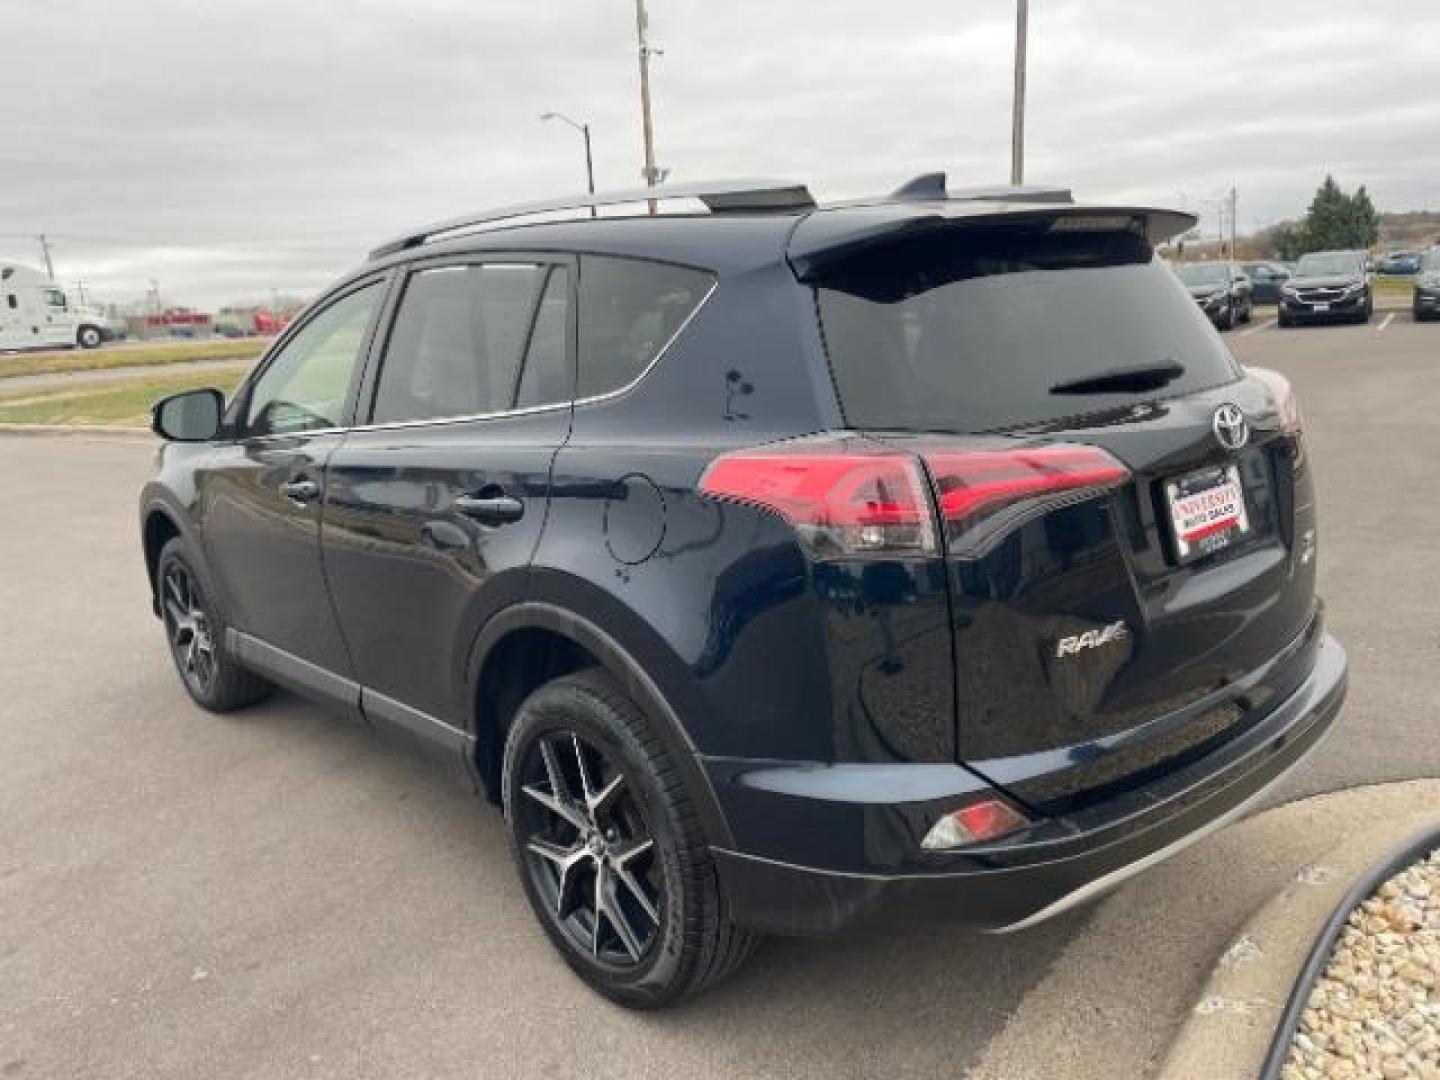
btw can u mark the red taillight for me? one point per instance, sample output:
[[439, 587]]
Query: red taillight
[[976, 486], [848, 496], [844, 497], [1286, 405]]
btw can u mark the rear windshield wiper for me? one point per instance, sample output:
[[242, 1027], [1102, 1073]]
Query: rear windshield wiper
[[1122, 380]]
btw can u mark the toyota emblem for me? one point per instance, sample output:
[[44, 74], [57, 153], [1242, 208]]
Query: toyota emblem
[[1232, 430]]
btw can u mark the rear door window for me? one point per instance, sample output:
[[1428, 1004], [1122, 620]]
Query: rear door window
[[629, 311], [460, 339], [971, 329]]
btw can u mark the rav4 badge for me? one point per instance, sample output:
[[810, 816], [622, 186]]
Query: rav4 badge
[[1091, 639]]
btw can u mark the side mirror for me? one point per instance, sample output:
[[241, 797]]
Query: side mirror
[[191, 416]]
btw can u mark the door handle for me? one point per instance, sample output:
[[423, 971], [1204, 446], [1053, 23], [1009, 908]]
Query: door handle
[[490, 509], [300, 492]]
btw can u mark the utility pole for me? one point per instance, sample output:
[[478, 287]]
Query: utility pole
[[80, 291], [1234, 219], [642, 22], [1017, 123], [45, 251]]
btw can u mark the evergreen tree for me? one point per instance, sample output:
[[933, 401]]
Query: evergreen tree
[[1336, 220]]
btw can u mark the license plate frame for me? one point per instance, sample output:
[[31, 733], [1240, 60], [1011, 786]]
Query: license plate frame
[[1207, 511], [1322, 306]]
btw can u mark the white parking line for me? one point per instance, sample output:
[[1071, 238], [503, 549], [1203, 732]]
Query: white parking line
[[1385, 322], [1256, 329]]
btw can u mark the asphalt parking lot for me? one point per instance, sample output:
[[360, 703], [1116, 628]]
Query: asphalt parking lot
[[277, 894]]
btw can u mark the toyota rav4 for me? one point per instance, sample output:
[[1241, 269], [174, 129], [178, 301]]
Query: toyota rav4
[[770, 566]]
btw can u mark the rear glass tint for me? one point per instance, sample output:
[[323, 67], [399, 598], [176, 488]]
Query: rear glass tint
[[968, 329], [629, 311]]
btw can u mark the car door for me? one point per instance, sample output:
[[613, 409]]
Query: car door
[[435, 504], [261, 490]]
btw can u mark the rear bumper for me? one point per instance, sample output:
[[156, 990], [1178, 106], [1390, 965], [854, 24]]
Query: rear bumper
[[1055, 865]]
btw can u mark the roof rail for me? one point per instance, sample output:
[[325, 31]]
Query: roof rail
[[928, 187], [718, 196]]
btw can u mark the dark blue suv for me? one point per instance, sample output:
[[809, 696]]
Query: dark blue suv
[[771, 565]]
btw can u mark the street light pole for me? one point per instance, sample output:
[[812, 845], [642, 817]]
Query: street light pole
[[642, 22], [1017, 123], [584, 129]]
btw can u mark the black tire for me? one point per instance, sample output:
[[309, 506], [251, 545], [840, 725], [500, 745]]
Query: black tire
[[1283, 321], [1249, 311], [89, 337], [1227, 322], [195, 631], [644, 840]]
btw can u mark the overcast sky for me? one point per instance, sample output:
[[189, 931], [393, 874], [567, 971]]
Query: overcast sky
[[228, 148]]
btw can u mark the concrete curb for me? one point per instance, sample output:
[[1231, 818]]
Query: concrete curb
[[107, 430], [1229, 1031]]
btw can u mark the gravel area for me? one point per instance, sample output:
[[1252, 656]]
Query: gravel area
[[1376, 1010]]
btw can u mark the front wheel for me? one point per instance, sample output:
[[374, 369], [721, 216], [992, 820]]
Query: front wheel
[[609, 848], [89, 337], [195, 630]]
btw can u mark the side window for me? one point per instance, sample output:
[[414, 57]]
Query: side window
[[55, 298], [548, 377], [14, 303], [629, 311], [457, 343], [304, 386]]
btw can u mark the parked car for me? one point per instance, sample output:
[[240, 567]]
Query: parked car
[[1266, 280], [1426, 301], [771, 567], [1221, 289], [1399, 262], [1328, 286]]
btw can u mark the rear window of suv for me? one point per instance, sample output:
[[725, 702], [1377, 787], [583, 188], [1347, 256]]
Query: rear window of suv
[[968, 329]]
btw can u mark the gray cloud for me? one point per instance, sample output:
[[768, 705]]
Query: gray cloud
[[230, 148]]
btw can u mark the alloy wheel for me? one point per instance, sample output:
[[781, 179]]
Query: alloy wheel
[[191, 639], [587, 849]]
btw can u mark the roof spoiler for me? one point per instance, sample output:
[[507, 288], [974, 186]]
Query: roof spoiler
[[823, 240]]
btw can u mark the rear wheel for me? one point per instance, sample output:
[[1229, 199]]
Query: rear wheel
[[609, 849], [195, 630]]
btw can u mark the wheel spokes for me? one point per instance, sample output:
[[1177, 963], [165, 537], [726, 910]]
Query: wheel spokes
[[560, 809], [591, 878], [567, 862], [622, 858], [613, 913]]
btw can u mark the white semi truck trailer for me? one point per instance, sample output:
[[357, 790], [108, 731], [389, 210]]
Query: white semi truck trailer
[[36, 314]]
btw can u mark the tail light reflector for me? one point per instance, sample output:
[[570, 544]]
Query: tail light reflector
[[980, 821]]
